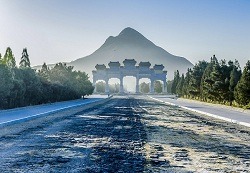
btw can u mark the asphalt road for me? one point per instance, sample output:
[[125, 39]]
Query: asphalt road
[[236, 114], [127, 134], [21, 114]]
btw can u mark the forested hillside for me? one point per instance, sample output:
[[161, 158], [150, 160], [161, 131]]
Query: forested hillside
[[214, 81], [22, 86]]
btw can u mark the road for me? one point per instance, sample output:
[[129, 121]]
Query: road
[[23, 113], [228, 113], [127, 134]]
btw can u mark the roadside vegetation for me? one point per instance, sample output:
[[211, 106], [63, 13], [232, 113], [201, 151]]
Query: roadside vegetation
[[215, 82], [23, 86]]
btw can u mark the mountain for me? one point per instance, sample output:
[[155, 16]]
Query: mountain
[[130, 44]]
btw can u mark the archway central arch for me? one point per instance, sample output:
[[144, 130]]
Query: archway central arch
[[114, 85], [129, 83], [129, 68]]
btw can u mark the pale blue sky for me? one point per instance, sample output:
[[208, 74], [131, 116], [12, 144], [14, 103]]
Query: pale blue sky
[[58, 30]]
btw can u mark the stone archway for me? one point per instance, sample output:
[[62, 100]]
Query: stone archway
[[143, 70]]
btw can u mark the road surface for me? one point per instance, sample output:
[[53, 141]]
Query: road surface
[[127, 134], [228, 113], [24, 113]]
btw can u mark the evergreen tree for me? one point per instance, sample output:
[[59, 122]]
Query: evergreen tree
[[175, 82], [242, 89], [235, 75], [44, 72], [6, 85], [9, 58], [180, 86], [144, 87], [100, 87], [206, 81], [216, 91], [25, 62], [114, 88], [195, 79], [169, 86], [158, 87], [186, 83]]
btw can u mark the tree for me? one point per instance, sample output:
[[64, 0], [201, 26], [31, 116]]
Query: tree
[[242, 89], [180, 86], [169, 86], [206, 81], [25, 62], [44, 72], [6, 85], [195, 79], [175, 82], [32, 84], [185, 88], [235, 75], [144, 87], [100, 87], [1, 61], [158, 87], [114, 88], [9, 58]]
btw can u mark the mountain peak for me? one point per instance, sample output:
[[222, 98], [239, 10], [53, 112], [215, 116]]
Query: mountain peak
[[130, 33]]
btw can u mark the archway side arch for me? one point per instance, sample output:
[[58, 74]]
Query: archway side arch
[[114, 85], [100, 85], [144, 85], [159, 86]]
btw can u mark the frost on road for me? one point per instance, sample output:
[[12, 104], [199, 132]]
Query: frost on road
[[127, 134]]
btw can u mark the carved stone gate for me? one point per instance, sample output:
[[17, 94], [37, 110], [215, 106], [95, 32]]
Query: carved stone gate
[[115, 70]]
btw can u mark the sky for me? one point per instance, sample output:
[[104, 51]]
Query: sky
[[62, 31]]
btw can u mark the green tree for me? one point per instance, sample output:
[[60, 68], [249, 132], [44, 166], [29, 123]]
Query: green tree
[[206, 81], [18, 91], [82, 85], [25, 61], [9, 58], [180, 86], [100, 87], [186, 87], [195, 79], [169, 86], [175, 82], [235, 75], [242, 89], [44, 72], [6, 85], [158, 86], [144, 87], [114, 88], [1, 60], [33, 86]]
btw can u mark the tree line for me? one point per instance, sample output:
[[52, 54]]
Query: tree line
[[23, 86], [215, 81]]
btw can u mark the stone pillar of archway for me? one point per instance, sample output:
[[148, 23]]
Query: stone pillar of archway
[[164, 89], [137, 85], [107, 86], [121, 85], [152, 89], [94, 85]]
